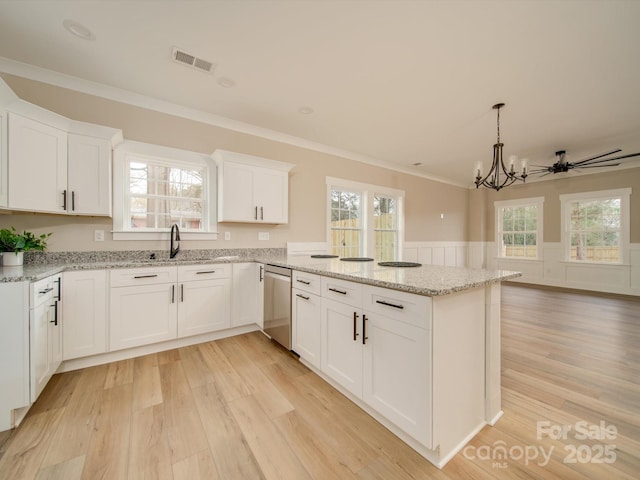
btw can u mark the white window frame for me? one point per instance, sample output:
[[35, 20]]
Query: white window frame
[[368, 191], [167, 155], [625, 221], [538, 202]]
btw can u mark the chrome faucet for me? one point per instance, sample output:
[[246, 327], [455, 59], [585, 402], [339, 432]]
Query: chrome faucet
[[175, 240]]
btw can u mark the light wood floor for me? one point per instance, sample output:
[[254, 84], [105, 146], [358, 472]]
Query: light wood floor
[[243, 408]]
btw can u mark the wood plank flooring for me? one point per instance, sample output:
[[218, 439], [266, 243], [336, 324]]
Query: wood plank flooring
[[244, 408]]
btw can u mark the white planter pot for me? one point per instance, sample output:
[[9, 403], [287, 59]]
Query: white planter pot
[[12, 259]]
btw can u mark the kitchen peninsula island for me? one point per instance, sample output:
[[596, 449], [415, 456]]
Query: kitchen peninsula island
[[416, 348]]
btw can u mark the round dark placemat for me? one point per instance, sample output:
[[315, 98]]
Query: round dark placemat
[[324, 256], [357, 259]]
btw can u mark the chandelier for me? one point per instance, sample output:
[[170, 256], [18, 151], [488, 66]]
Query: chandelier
[[493, 179]]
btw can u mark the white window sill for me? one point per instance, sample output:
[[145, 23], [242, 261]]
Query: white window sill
[[119, 235]]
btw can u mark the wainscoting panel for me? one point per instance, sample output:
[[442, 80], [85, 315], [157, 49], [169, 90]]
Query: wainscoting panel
[[450, 254]]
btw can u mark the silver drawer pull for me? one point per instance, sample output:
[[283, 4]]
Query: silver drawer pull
[[207, 271], [338, 291], [145, 276], [302, 296], [303, 282], [382, 302], [47, 290]]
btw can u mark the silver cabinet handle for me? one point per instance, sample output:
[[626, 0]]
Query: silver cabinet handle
[[302, 296], [207, 271], [341, 292], [145, 276], [46, 290], [303, 282]]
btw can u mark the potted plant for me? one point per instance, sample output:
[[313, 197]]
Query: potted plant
[[14, 244]]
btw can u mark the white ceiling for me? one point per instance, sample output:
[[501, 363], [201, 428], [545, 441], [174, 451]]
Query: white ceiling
[[394, 81]]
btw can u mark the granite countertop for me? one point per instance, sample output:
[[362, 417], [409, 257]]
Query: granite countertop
[[429, 280]]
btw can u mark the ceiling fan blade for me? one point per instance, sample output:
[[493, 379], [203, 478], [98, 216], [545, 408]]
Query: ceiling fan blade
[[597, 156], [599, 166], [621, 157]]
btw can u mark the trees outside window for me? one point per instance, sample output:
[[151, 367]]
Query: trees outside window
[[519, 227], [596, 226]]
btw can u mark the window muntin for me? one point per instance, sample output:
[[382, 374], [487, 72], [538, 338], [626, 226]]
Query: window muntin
[[161, 194], [519, 228], [156, 186], [346, 223], [364, 220], [594, 230], [385, 227]]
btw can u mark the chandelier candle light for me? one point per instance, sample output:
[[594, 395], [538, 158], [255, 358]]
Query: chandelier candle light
[[492, 180]]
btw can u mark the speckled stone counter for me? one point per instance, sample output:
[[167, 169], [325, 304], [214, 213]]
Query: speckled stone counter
[[429, 280]]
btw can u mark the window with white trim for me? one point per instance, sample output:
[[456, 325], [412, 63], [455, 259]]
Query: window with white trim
[[364, 220], [155, 187], [596, 226], [519, 228]]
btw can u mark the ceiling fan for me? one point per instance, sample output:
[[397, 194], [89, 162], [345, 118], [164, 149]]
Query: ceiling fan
[[562, 165]]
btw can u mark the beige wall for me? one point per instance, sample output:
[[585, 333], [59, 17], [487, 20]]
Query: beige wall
[[551, 191], [425, 199]]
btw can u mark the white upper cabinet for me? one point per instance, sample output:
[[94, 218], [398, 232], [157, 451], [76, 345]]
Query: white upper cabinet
[[37, 166], [89, 175], [252, 189], [49, 163]]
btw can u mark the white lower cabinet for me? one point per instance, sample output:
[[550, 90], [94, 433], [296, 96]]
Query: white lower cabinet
[[384, 359], [142, 314], [204, 301], [247, 294], [84, 300], [397, 376], [306, 316], [45, 323], [150, 305]]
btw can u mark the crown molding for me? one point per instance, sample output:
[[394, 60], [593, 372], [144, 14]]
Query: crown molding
[[57, 79]]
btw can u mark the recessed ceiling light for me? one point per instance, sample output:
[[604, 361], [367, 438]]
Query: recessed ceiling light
[[305, 110], [417, 164], [225, 82], [78, 30]]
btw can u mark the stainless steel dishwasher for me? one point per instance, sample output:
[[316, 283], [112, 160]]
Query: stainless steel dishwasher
[[277, 304]]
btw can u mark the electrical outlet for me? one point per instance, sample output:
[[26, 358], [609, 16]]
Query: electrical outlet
[[98, 235], [227, 235], [263, 235]]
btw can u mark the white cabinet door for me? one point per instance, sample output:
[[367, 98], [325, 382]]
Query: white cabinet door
[[142, 314], [306, 314], [236, 203], [204, 306], [341, 337], [271, 195], [37, 166], [84, 309], [246, 295], [89, 175], [252, 194], [397, 374], [40, 372]]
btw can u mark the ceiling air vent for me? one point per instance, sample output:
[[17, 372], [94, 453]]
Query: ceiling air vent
[[192, 61]]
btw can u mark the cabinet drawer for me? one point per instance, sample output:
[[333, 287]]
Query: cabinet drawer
[[126, 277], [307, 282], [203, 272], [406, 307], [342, 291], [42, 291]]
